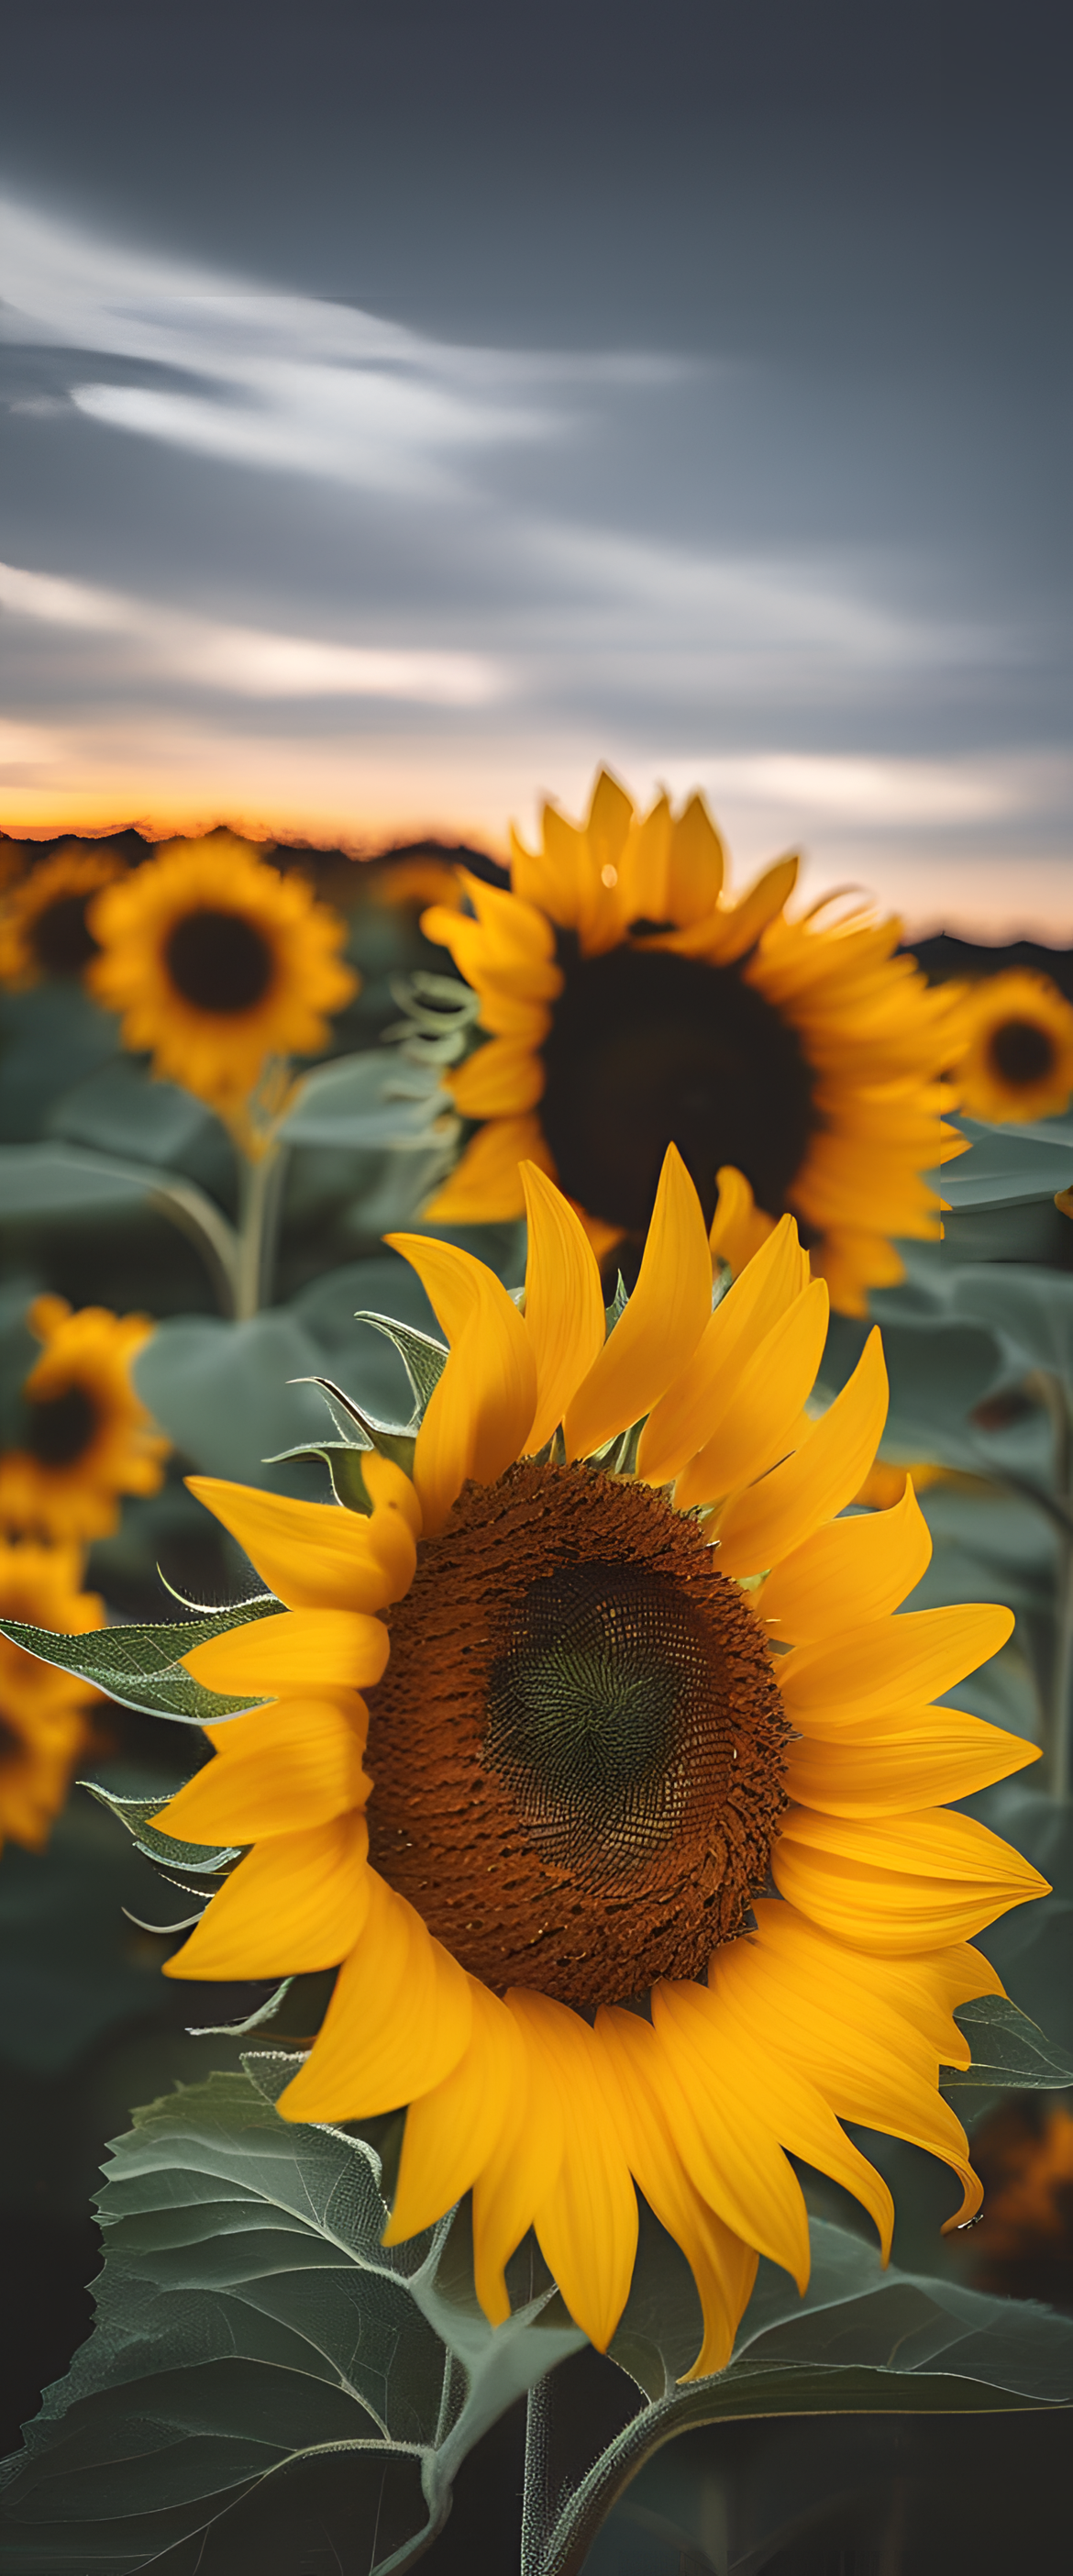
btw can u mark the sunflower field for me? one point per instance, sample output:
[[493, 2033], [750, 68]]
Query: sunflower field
[[536, 1710]]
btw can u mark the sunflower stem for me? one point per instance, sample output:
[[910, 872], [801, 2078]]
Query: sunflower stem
[[260, 1191], [1058, 1739]]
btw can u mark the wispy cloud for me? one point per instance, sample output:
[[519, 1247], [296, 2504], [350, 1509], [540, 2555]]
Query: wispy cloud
[[290, 382], [244, 661], [376, 581]]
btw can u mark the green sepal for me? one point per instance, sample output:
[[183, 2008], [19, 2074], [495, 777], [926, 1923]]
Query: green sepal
[[205, 1860], [614, 1313], [392, 1442], [140, 1666], [342, 1458], [265, 2012], [423, 1359]]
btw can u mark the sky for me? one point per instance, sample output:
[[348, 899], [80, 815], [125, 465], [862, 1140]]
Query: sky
[[407, 407]]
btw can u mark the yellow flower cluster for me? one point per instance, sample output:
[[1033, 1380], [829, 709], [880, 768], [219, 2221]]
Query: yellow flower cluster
[[85, 1440]]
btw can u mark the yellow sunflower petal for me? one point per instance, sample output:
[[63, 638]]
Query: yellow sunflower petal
[[296, 1903], [761, 1407], [640, 893], [586, 2222], [867, 1564], [766, 1521], [662, 1323], [764, 1292], [900, 1883], [723, 2268], [556, 880], [501, 1080], [516, 2179], [921, 1991], [730, 2153], [886, 1664], [311, 1555], [739, 1227], [390, 1490], [486, 1185], [478, 1417], [277, 1771], [564, 1305], [779, 2095], [933, 1753], [865, 2060], [452, 2131], [726, 935], [399, 2019], [516, 934], [695, 865], [294, 1652]]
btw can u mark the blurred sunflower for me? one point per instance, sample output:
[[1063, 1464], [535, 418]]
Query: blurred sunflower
[[43, 925], [43, 1712], [218, 963], [630, 1006], [87, 1438], [1024, 2249], [1014, 1056], [593, 1733]]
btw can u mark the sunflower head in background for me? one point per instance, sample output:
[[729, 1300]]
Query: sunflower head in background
[[594, 1757], [1014, 1048], [44, 928], [1024, 2248], [219, 965], [44, 1723], [629, 1006], [86, 1437]]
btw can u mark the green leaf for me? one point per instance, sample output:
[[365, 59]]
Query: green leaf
[[423, 1359], [1005, 1165], [376, 1099], [861, 2341], [121, 1110], [262, 2367], [1009, 2053], [228, 1394], [140, 1667], [39, 1182]]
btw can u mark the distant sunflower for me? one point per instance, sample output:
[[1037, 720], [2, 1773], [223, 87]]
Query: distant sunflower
[[218, 964], [629, 1006], [43, 925], [43, 1712], [550, 1646], [1024, 2248], [86, 1437], [1014, 1057]]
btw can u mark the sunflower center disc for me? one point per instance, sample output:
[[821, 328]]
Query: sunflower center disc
[[647, 1050], [219, 961], [61, 1427], [1022, 1052], [61, 938], [578, 1743]]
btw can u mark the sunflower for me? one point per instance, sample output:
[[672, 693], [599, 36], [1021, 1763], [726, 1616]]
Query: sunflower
[[1025, 2246], [43, 1724], [87, 1438], [218, 963], [614, 1667], [629, 1006], [43, 924], [1014, 1053]]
